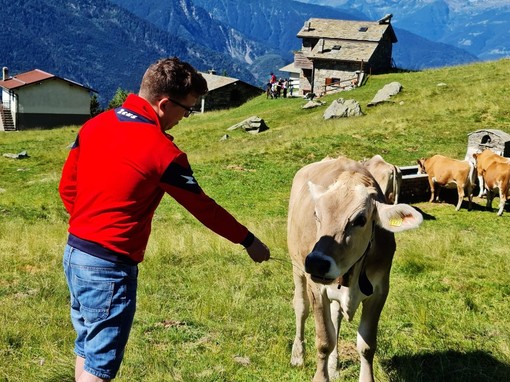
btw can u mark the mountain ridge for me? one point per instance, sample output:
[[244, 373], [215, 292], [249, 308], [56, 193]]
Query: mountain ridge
[[105, 46]]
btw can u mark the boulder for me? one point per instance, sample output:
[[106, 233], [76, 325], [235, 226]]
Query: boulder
[[384, 94], [312, 104], [21, 155], [341, 108], [252, 125]]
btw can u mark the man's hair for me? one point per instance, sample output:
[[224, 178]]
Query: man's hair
[[171, 77]]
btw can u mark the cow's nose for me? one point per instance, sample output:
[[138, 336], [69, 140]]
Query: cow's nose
[[318, 264]]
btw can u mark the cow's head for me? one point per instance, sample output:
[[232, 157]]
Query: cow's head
[[346, 214], [421, 166]]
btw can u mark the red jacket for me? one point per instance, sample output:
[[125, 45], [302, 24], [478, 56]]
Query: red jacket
[[118, 169]]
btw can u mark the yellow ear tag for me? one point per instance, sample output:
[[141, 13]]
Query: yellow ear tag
[[396, 222]]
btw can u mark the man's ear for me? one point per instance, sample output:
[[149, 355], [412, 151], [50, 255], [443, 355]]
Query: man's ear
[[162, 104]]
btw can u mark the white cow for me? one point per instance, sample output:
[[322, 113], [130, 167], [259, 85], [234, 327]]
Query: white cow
[[341, 242]]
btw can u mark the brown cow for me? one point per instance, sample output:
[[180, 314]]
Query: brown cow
[[446, 172], [341, 242], [387, 175], [483, 160], [496, 176]]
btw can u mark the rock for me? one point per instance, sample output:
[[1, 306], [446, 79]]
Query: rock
[[341, 108], [23, 154], [386, 93], [252, 125], [312, 104]]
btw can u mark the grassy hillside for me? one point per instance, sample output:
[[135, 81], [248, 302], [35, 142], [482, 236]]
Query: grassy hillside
[[207, 313]]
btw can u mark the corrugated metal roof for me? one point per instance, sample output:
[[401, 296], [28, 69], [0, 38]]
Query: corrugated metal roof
[[33, 77], [346, 30], [26, 78], [341, 50]]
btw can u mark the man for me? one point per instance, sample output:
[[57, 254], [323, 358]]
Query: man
[[119, 168]]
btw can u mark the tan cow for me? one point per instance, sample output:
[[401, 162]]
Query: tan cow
[[341, 242], [451, 173], [387, 175], [496, 176], [483, 160]]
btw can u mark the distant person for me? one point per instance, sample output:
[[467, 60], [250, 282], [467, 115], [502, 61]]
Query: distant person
[[119, 168], [272, 78], [269, 93], [291, 88], [285, 86]]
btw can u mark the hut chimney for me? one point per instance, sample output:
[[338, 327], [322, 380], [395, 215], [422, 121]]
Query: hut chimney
[[5, 73], [308, 26], [386, 19]]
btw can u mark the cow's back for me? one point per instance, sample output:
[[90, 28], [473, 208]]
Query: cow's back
[[486, 158], [446, 170]]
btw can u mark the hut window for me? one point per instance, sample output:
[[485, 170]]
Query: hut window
[[363, 29], [486, 139], [336, 47]]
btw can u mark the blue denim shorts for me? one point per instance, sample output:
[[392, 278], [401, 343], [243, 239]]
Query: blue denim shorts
[[103, 304]]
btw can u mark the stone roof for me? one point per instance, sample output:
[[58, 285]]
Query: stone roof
[[346, 30], [215, 82], [291, 68], [341, 50]]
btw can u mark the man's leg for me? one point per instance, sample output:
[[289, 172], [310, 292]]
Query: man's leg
[[78, 368], [103, 303], [81, 375]]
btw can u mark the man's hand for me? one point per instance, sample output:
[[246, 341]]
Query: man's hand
[[258, 251]]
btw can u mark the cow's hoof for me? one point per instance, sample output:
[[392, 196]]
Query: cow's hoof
[[334, 375], [298, 351]]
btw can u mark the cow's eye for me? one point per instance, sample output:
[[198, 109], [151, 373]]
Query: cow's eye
[[359, 221]]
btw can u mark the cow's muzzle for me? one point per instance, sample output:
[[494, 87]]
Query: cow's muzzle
[[321, 267]]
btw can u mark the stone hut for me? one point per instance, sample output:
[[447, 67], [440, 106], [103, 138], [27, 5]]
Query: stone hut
[[495, 140], [226, 92]]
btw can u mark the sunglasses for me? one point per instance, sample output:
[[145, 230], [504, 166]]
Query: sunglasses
[[189, 110]]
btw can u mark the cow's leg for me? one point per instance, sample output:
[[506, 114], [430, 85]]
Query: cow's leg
[[301, 310], [481, 184], [460, 191], [325, 335], [367, 333], [336, 319], [489, 196], [432, 191], [470, 195], [502, 197]]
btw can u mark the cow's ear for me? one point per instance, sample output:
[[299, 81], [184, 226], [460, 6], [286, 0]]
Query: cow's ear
[[398, 217], [316, 190]]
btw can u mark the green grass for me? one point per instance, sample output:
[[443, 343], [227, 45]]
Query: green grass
[[206, 312]]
